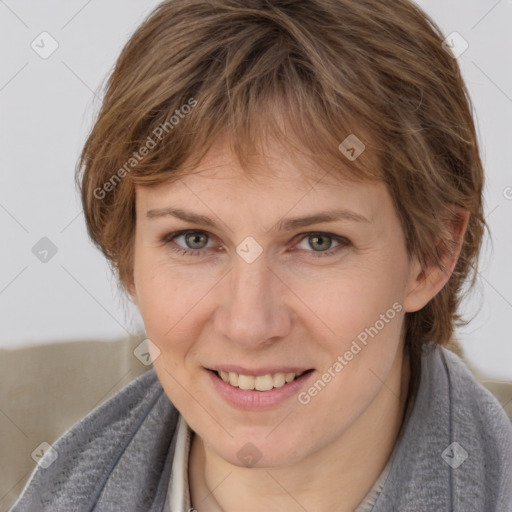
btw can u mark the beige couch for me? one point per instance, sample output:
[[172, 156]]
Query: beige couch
[[46, 389]]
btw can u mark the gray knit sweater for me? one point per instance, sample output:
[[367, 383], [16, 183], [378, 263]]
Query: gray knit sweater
[[455, 453]]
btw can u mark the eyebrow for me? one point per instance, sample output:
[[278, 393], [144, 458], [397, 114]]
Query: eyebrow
[[283, 225]]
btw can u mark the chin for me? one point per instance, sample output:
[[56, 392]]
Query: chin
[[259, 451]]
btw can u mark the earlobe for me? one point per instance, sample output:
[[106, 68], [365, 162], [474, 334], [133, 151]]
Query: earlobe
[[423, 286], [425, 283]]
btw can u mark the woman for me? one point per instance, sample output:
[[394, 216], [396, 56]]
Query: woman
[[291, 193]]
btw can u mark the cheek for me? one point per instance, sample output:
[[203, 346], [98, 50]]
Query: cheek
[[174, 306], [343, 303], [364, 314], [162, 292]]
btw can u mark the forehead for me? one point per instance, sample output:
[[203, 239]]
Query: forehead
[[265, 168]]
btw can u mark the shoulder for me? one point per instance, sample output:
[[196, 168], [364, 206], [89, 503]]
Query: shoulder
[[118, 415], [472, 403], [132, 429], [456, 449], [481, 434]]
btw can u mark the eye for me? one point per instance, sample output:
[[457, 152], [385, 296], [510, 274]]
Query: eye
[[322, 243], [192, 242], [196, 243]]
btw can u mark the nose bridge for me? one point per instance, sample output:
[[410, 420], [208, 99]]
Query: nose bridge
[[250, 282], [253, 311]]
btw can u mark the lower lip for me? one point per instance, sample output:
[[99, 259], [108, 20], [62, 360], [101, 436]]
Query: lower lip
[[252, 399]]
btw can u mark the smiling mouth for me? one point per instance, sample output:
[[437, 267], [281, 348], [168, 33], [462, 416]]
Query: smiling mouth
[[260, 382]]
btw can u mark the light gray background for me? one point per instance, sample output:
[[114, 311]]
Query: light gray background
[[46, 109]]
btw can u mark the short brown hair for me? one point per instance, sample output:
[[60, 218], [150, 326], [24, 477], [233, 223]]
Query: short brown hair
[[330, 68]]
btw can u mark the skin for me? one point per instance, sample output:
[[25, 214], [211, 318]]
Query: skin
[[286, 307]]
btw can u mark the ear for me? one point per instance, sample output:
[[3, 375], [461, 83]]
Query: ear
[[425, 283]]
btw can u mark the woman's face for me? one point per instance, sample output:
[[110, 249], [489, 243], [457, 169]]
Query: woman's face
[[249, 277]]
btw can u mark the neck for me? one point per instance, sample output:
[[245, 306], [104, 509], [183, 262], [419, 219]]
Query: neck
[[342, 473]]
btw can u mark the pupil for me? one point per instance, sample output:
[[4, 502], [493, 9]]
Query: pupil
[[315, 240], [194, 238]]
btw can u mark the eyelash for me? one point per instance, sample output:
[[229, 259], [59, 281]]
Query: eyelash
[[169, 240]]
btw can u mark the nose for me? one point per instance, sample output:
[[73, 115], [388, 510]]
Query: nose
[[252, 311]]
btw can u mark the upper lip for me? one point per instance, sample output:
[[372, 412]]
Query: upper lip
[[258, 371]]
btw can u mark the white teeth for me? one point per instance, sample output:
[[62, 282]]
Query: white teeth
[[279, 380], [246, 381], [264, 383], [233, 379], [259, 383]]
